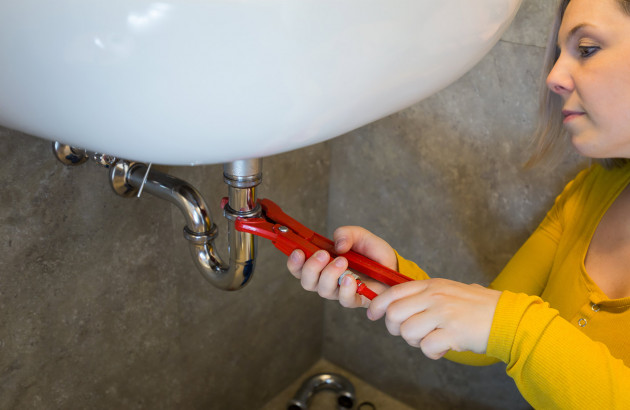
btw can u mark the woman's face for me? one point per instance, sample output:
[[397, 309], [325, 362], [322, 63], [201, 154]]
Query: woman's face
[[592, 75]]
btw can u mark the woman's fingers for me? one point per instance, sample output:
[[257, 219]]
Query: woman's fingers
[[348, 293], [312, 268], [423, 330], [380, 305], [295, 262], [438, 315], [436, 344], [327, 286], [435, 315], [366, 243], [403, 316], [321, 274]]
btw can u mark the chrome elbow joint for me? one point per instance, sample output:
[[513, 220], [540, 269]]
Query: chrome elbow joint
[[242, 178], [240, 268], [324, 381]]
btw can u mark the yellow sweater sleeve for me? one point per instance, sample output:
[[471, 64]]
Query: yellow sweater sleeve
[[526, 272], [541, 348], [555, 364], [410, 269]]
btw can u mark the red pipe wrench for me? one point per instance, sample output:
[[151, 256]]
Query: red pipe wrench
[[287, 235]]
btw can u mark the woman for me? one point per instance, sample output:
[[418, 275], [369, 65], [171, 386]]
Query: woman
[[559, 313]]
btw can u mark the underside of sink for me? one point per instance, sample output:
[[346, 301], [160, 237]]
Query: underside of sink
[[192, 82]]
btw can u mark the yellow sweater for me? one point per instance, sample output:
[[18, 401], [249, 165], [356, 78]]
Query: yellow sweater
[[567, 346]]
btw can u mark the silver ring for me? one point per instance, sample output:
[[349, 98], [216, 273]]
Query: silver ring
[[343, 275]]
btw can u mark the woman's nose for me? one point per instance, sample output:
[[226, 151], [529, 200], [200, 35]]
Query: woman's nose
[[559, 79]]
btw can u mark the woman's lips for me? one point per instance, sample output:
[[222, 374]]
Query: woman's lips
[[571, 115]]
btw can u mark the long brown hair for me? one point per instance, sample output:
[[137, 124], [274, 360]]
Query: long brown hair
[[550, 138]]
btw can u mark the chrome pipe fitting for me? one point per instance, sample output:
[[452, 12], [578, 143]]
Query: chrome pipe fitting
[[68, 155], [324, 381], [243, 173], [200, 230], [178, 192], [242, 177]]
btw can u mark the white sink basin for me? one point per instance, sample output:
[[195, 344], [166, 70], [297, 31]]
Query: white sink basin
[[208, 81]]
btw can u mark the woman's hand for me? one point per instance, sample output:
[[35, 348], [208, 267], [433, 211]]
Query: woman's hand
[[320, 274], [438, 315]]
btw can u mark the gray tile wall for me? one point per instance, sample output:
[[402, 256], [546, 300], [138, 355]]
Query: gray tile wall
[[442, 181], [102, 307]]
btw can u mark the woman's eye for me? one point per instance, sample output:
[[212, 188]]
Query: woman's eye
[[587, 51]]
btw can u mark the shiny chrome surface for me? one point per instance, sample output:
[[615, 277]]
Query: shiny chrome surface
[[68, 155], [213, 81], [324, 381], [128, 179], [200, 230], [118, 179], [104, 160], [243, 173]]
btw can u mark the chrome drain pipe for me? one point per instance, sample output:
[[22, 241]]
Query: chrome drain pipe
[[129, 179], [242, 178], [324, 381]]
